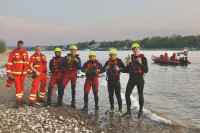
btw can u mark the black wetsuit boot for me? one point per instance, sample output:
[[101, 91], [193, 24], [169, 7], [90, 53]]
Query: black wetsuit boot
[[60, 96], [96, 99], [73, 89]]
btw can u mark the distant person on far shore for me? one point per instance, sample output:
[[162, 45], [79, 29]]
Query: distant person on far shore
[[55, 66], [38, 66], [136, 66], [113, 67], [17, 68], [92, 68], [71, 63]]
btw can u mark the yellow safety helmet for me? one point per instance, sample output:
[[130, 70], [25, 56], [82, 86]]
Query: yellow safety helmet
[[92, 53], [73, 47], [57, 50], [135, 45], [113, 51]]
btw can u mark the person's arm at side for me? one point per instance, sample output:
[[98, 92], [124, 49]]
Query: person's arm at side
[[32, 68], [100, 67], [144, 65], [28, 66], [9, 64], [105, 67], [84, 67], [122, 66]]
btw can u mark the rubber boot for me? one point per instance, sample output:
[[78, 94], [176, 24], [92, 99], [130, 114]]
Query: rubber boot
[[59, 103], [41, 101], [139, 114], [31, 104], [85, 108], [73, 88], [17, 105], [60, 96], [48, 103], [73, 103], [96, 106], [22, 102]]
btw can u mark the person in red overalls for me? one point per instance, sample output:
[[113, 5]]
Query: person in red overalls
[[38, 66], [92, 68], [17, 68], [71, 63], [57, 74]]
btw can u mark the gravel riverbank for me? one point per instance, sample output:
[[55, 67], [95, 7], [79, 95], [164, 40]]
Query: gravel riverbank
[[65, 118]]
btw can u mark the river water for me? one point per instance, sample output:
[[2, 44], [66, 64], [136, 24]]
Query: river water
[[171, 93]]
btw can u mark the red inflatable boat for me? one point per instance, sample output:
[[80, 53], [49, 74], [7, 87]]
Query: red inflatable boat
[[179, 58]]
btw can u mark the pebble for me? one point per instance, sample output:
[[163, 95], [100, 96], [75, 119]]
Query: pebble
[[30, 119]]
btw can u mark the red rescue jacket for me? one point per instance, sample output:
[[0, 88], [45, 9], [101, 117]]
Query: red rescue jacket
[[18, 63], [39, 62], [135, 66], [55, 64], [112, 71]]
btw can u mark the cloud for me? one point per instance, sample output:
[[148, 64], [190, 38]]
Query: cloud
[[13, 28]]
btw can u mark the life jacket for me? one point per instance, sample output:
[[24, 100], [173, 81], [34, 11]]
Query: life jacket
[[112, 71], [18, 63], [92, 68], [39, 62], [55, 65], [135, 66], [70, 62]]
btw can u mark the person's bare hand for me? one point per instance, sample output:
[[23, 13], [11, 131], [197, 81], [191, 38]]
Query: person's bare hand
[[117, 68], [38, 73], [128, 62], [107, 67], [139, 60]]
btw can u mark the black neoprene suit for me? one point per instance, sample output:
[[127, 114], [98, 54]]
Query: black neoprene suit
[[136, 79]]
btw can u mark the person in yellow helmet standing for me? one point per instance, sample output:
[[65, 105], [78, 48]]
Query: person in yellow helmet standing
[[113, 67], [57, 71], [71, 63], [92, 68], [136, 67]]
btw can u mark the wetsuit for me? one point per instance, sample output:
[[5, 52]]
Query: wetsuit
[[92, 70], [71, 65], [113, 78], [136, 72], [57, 74]]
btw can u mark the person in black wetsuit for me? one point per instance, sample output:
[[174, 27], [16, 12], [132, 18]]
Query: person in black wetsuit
[[113, 67], [136, 66]]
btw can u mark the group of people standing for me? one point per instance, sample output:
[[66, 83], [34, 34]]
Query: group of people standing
[[64, 69]]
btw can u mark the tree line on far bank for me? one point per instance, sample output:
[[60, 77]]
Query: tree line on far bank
[[2, 46], [156, 42]]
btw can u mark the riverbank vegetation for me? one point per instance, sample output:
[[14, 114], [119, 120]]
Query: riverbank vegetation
[[2, 46], [156, 42]]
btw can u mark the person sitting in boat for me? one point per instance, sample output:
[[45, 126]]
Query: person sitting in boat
[[174, 56], [166, 55]]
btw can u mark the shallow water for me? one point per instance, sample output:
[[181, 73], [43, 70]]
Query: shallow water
[[173, 92]]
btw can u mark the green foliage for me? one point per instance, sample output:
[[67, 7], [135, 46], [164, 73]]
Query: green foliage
[[156, 42], [2, 46], [175, 41]]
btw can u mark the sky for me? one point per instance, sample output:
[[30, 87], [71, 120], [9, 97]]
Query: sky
[[62, 22]]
